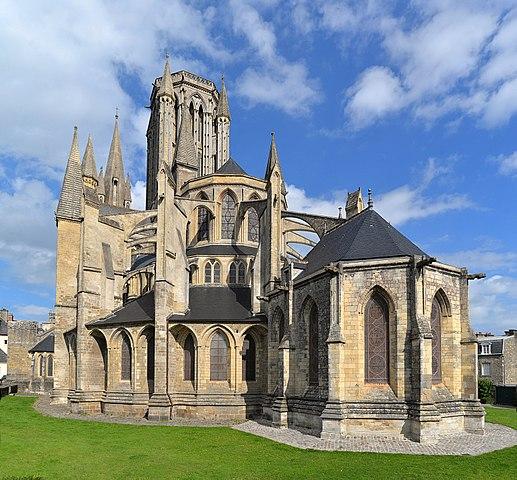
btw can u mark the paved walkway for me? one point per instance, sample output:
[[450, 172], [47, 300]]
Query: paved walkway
[[496, 437]]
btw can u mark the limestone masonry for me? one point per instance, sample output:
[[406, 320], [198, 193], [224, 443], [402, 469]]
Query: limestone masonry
[[203, 306]]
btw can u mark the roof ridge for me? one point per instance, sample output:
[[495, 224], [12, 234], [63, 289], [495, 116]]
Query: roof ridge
[[357, 230]]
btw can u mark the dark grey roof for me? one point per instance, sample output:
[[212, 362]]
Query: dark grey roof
[[221, 303], [44, 345], [231, 167], [496, 346], [365, 236], [215, 249], [140, 310], [3, 327], [3, 356]]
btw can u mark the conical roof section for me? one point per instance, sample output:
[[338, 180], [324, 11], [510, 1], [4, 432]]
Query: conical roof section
[[365, 236], [69, 205], [223, 109], [166, 86], [231, 167], [115, 164], [185, 150], [274, 161], [88, 166]]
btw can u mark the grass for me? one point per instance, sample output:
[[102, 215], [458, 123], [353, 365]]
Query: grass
[[501, 415], [39, 447]]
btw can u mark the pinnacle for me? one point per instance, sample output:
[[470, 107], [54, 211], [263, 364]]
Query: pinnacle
[[166, 87], [89, 167], [223, 110]]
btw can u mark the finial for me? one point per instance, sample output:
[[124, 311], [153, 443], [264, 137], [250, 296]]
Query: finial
[[222, 77], [370, 199], [75, 128], [116, 113], [339, 215], [166, 55], [272, 134]]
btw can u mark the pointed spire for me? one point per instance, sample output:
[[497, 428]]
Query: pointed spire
[[166, 87], [127, 192], [274, 162], [370, 198], [186, 151], [89, 167], [223, 110], [101, 190], [69, 205], [114, 167]]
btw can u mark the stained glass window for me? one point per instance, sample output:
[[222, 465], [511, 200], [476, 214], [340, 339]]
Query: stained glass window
[[241, 273], [125, 358], [232, 276], [376, 340], [253, 225], [208, 272], [203, 224], [217, 272], [228, 210], [436, 330], [219, 365]]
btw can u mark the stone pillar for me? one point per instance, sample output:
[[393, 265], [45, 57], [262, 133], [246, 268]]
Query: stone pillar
[[424, 417], [332, 416]]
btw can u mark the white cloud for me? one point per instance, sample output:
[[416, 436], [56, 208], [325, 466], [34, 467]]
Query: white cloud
[[31, 311], [482, 259], [63, 61], [447, 58], [398, 206], [377, 93], [507, 164], [138, 192], [493, 303], [27, 236], [276, 82]]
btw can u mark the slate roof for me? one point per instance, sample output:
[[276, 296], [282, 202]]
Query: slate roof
[[44, 345], [217, 303], [214, 249], [3, 356], [496, 345], [3, 327], [69, 205], [140, 310], [231, 167], [142, 261], [365, 236]]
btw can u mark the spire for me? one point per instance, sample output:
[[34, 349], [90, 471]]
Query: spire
[[223, 110], [370, 198], [274, 162], [69, 205], [114, 168], [101, 190], [88, 166], [186, 150], [166, 87], [127, 193]]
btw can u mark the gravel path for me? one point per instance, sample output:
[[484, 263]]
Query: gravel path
[[496, 436]]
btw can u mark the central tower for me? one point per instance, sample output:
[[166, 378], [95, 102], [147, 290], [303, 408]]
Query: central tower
[[175, 95]]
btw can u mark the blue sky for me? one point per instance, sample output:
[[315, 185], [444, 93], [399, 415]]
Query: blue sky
[[415, 100]]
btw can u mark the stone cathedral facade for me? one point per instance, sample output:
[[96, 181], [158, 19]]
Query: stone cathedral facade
[[202, 305]]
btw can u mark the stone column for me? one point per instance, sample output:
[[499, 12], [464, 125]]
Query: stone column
[[332, 416]]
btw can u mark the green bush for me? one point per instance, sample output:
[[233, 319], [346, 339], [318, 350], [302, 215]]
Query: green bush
[[486, 391]]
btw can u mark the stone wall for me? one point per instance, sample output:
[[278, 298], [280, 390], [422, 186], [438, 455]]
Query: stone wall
[[23, 335]]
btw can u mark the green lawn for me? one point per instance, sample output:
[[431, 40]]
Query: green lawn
[[504, 416], [50, 448]]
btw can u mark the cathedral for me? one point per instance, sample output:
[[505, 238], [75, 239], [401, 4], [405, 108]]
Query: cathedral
[[219, 302]]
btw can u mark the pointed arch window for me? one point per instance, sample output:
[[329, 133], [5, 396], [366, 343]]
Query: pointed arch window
[[50, 366], [313, 345], [228, 211], [219, 357], [253, 225], [436, 342], [281, 324], [125, 358], [212, 272], [232, 275], [249, 359], [376, 340], [41, 366], [189, 358], [237, 273], [203, 224], [241, 273]]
